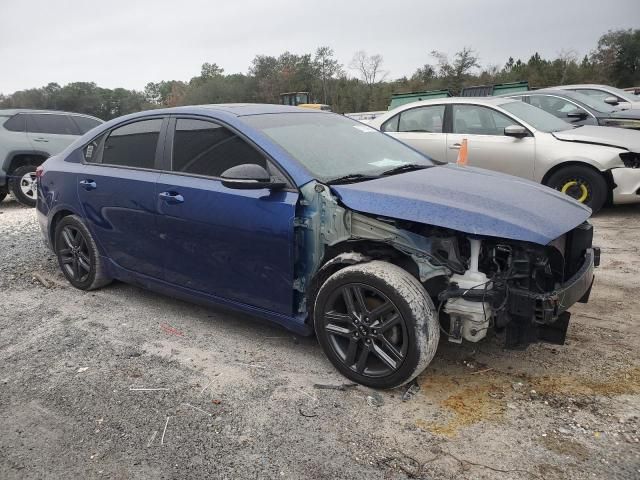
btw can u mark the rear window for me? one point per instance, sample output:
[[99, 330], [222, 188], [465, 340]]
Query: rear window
[[85, 123], [15, 123], [51, 124]]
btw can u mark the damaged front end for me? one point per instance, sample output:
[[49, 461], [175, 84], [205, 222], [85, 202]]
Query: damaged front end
[[478, 283]]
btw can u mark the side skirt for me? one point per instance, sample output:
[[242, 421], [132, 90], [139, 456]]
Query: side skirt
[[295, 324]]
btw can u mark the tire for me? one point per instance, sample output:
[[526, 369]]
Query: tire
[[78, 255], [22, 185], [581, 183], [392, 332], [3, 193]]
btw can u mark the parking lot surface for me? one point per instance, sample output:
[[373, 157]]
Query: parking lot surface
[[121, 383]]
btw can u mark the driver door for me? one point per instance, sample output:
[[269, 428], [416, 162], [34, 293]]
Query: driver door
[[229, 243], [488, 146]]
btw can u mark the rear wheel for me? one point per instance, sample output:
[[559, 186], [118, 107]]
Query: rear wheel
[[23, 186], [581, 183], [78, 255], [376, 324]]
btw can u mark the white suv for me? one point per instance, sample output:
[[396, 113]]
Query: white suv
[[28, 138]]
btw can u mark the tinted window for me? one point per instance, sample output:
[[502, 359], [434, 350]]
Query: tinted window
[[85, 123], [558, 107], [478, 120], [50, 124], [15, 123], [133, 145], [206, 148], [422, 119]]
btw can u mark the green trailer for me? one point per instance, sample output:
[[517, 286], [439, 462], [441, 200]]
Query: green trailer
[[398, 99], [492, 90]]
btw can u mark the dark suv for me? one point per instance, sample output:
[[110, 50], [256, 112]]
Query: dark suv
[[28, 138]]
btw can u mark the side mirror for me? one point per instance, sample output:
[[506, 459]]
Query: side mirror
[[517, 131], [579, 114], [611, 100], [249, 176]]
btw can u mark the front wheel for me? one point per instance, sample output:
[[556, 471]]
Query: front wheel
[[376, 324], [581, 183], [23, 185]]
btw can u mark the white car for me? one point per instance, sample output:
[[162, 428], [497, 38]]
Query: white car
[[607, 94], [592, 164]]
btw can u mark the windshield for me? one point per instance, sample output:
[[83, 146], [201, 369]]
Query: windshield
[[628, 96], [536, 117], [333, 146], [591, 102]]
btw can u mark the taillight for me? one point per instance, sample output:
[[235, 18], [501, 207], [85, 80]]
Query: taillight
[[39, 171]]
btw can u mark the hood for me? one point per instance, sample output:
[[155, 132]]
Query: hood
[[469, 200], [609, 136]]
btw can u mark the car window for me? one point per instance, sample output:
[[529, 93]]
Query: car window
[[599, 94], [84, 124], [133, 145], [558, 107], [15, 123], [479, 120], [206, 148], [422, 119], [391, 125], [50, 124]]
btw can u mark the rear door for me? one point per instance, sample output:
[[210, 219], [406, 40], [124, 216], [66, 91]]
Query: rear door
[[50, 132], [422, 128], [117, 191], [488, 146], [234, 244]]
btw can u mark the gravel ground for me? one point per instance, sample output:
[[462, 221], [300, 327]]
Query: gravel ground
[[123, 383]]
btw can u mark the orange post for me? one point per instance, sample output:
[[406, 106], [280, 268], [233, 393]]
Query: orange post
[[463, 153]]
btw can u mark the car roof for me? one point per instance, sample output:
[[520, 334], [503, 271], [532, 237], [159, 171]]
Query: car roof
[[238, 109], [582, 85], [14, 111], [497, 101]]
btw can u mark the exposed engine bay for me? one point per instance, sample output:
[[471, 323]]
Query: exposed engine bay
[[478, 284]]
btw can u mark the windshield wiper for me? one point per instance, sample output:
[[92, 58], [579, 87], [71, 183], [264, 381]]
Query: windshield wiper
[[408, 167], [352, 177]]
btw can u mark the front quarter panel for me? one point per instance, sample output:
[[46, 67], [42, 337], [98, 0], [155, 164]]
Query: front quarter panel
[[551, 152]]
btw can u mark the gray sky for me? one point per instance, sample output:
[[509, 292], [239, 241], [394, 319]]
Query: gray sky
[[129, 43]]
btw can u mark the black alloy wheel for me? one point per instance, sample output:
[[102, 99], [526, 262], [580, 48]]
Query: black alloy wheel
[[78, 254], [74, 254], [366, 330], [376, 323]]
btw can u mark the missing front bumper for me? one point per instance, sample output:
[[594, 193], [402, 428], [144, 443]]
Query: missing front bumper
[[544, 316]]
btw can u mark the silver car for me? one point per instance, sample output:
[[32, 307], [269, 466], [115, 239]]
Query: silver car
[[607, 94], [592, 164]]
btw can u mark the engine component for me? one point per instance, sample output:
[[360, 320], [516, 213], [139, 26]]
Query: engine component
[[469, 319]]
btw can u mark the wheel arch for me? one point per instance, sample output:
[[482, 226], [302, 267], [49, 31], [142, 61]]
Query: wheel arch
[[21, 158], [605, 173], [55, 219], [347, 253]]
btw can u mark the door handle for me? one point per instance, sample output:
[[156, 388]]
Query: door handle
[[455, 146], [40, 139], [88, 184], [171, 197]]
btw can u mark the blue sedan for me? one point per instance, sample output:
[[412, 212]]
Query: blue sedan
[[320, 224]]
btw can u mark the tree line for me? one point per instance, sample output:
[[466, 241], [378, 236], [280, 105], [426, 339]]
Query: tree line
[[362, 85]]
